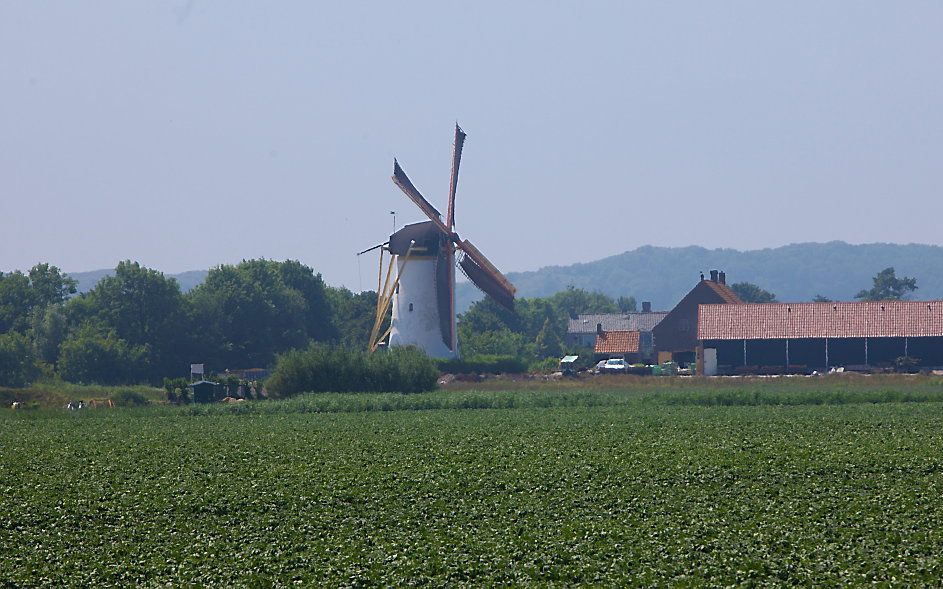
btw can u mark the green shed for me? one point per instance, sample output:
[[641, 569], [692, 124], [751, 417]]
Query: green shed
[[204, 391]]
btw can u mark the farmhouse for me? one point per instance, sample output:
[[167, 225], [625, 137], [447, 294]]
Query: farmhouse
[[581, 332], [796, 337], [675, 336]]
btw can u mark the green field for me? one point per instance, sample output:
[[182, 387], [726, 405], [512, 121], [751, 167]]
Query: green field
[[650, 482]]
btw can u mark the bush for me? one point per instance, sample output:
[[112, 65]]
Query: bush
[[483, 364], [324, 368], [545, 366], [129, 399]]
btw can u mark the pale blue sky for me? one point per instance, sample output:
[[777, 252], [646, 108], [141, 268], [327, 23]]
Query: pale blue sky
[[187, 134]]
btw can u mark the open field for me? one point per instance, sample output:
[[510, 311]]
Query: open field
[[684, 483]]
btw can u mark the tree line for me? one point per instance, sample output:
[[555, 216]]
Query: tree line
[[138, 327]]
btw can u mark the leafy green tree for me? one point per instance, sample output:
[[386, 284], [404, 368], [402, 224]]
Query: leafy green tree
[[16, 302], [548, 343], [888, 287], [95, 354], [574, 301], [627, 304], [144, 308], [318, 320], [821, 299], [751, 293], [353, 316], [252, 311], [50, 286], [49, 330], [21, 295], [17, 365]]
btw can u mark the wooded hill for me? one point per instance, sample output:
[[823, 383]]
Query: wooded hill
[[797, 272], [663, 275]]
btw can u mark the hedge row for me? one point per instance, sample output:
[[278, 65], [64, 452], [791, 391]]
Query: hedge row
[[322, 368]]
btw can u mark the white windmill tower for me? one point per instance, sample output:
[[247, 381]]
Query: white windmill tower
[[423, 293]]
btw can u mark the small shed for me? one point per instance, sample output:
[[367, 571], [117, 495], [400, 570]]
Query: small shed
[[568, 364], [204, 391]]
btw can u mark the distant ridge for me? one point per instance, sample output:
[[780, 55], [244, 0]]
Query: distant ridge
[[796, 272]]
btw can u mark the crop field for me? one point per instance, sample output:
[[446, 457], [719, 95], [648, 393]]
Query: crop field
[[684, 485]]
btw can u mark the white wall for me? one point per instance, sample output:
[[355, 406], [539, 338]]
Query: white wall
[[420, 326]]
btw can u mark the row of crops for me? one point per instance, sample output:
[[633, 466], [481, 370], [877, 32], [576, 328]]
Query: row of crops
[[620, 490]]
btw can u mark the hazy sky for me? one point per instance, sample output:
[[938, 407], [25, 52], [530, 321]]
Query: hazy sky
[[186, 134]]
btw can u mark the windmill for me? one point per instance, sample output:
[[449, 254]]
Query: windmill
[[422, 295]]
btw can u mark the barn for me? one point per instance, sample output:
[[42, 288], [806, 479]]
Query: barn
[[800, 337], [675, 336]]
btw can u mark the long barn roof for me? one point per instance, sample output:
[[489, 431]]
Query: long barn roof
[[616, 322], [820, 320]]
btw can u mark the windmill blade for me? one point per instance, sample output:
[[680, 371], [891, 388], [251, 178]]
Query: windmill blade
[[401, 180], [444, 283], [453, 182], [486, 282], [485, 276]]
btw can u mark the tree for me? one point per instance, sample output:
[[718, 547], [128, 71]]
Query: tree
[[143, 308], [50, 286], [303, 279], [821, 299], [548, 343], [21, 295], [95, 354], [574, 301], [49, 330], [353, 316], [17, 364], [627, 304], [888, 287], [16, 302], [751, 293], [252, 311]]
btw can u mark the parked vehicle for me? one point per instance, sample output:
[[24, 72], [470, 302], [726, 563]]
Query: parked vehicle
[[613, 365]]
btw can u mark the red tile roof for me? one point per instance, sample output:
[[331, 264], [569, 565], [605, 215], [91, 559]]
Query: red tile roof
[[617, 342], [820, 320], [724, 291]]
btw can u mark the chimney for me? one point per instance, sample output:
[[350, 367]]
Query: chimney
[[599, 329], [723, 277], [713, 275], [646, 306]]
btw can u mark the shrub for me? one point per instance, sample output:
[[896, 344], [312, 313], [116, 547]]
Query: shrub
[[129, 399], [545, 366], [324, 368]]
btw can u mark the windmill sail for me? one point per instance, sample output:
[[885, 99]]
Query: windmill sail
[[402, 180], [486, 280], [453, 182]]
